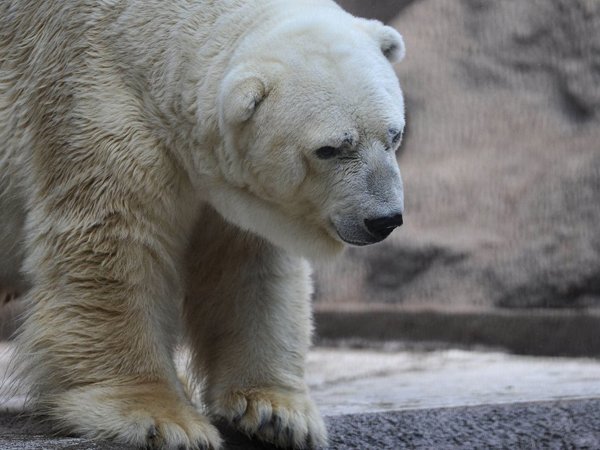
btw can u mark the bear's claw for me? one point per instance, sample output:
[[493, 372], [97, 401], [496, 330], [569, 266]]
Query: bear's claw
[[287, 419]]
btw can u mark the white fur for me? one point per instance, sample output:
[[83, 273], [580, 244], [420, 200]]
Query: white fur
[[158, 161]]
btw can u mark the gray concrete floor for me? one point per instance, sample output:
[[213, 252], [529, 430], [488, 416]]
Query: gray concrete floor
[[397, 398]]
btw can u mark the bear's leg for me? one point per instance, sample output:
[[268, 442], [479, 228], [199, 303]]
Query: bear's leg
[[248, 321], [96, 348]]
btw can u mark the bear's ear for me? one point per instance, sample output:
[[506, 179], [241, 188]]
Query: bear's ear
[[392, 44], [390, 41], [240, 95]]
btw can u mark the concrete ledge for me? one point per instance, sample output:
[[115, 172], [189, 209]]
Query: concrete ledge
[[567, 424], [528, 332]]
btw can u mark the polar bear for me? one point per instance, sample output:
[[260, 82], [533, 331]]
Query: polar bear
[[171, 167]]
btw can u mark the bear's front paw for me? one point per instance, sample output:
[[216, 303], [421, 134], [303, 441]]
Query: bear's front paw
[[149, 415], [288, 419]]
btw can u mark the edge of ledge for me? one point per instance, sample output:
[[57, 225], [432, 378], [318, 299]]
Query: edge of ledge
[[530, 331]]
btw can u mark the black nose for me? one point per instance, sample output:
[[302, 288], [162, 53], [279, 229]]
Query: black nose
[[381, 227]]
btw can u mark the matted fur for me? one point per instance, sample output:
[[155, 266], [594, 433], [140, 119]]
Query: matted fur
[[157, 163]]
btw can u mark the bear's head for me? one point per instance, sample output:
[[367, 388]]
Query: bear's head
[[311, 115]]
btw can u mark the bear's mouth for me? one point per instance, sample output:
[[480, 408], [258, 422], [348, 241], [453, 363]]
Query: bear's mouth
[[357, 236], [367, 231], [353, 242]]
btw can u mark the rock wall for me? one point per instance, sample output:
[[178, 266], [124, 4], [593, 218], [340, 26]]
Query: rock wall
[[501, 160]]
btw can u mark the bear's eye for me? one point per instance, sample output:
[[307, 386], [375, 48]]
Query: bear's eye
[[327, 152], [396, 136]]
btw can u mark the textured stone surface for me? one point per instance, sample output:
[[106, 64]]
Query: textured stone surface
[[501, 162], [553, 425], [390, 398], [560, 425]]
